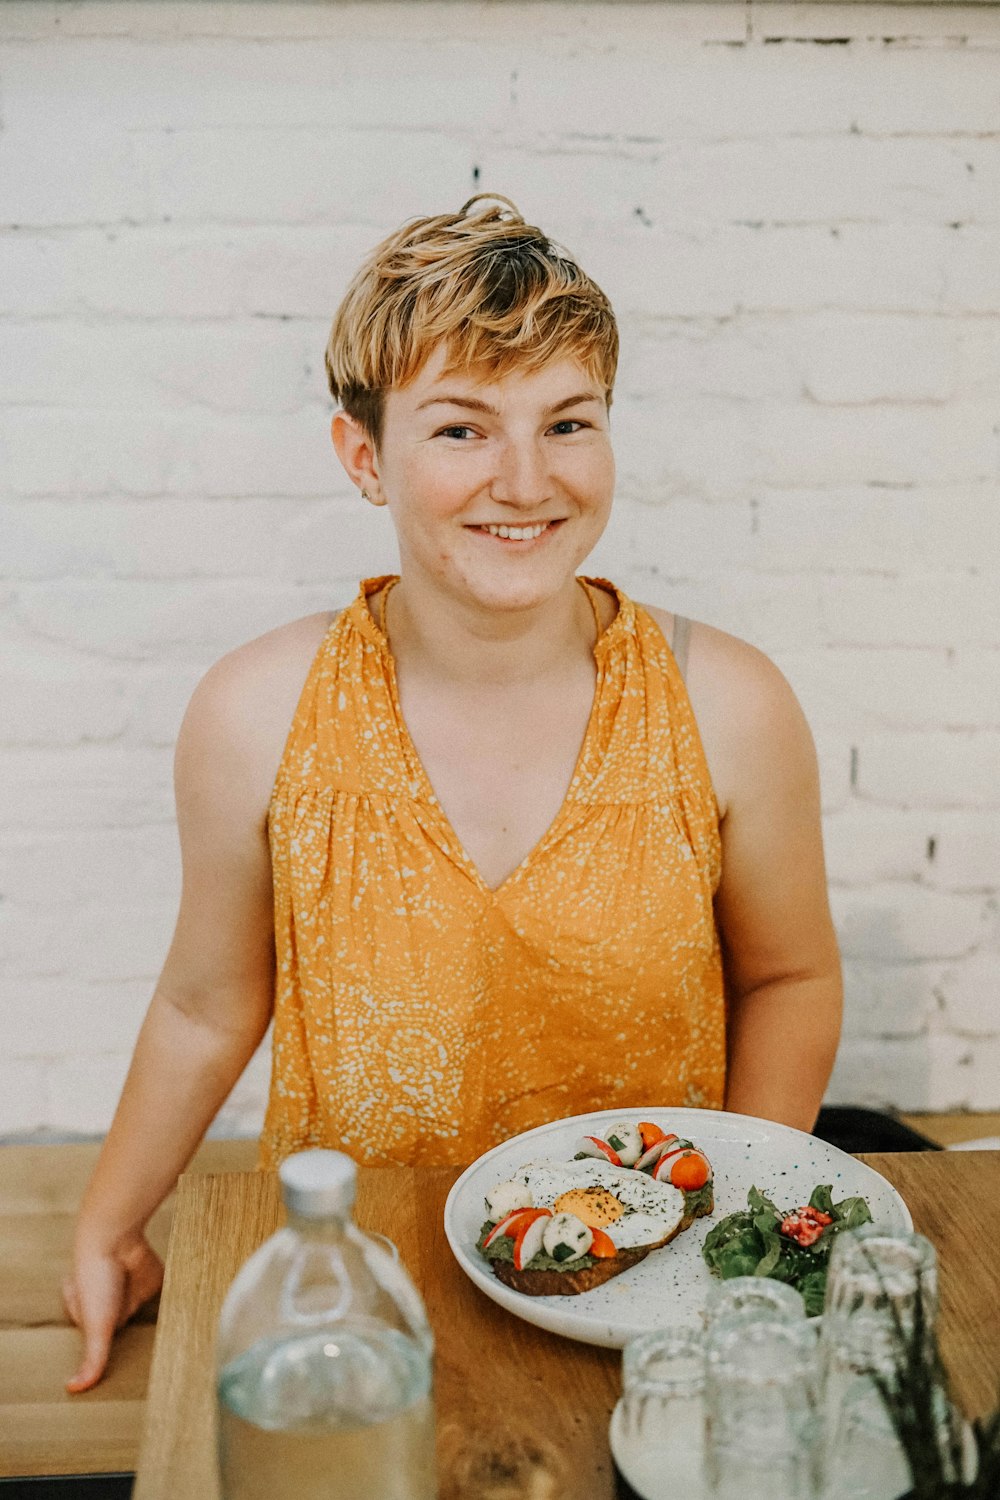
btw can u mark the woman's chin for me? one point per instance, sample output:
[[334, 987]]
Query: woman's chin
[[525, 590], [525, 578]]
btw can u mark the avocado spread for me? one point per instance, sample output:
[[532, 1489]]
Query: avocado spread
[[502, 1248], [701, 1201]]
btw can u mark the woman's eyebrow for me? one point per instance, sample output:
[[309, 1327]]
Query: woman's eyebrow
[[468, 401], [472, 404], [575, 401]]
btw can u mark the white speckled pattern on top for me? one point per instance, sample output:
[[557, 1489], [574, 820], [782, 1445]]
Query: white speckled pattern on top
[[670, 1285]]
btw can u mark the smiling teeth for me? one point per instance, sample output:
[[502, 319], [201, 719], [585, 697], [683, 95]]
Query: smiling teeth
[[517, 533]]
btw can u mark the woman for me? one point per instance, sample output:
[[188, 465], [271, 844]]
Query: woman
[[516, 858]]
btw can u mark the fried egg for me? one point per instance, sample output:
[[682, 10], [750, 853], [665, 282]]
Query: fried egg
[[649, 1211]]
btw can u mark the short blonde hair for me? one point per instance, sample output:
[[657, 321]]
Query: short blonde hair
[[494, 289]]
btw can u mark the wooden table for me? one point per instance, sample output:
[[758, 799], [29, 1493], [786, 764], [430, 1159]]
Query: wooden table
[[521, 1413], [43, 1430]]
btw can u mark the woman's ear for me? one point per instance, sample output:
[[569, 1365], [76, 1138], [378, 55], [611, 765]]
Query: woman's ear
[[356, 452]]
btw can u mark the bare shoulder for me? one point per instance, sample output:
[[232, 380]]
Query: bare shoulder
[[721, 665], [748, 716], [240, 713]]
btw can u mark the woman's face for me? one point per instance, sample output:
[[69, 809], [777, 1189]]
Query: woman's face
[[462, 458]]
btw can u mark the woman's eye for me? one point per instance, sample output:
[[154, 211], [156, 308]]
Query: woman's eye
[[454, 432], [563, 427]]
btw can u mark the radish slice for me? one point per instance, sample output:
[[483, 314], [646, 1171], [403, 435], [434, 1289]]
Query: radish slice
[[505, 1226], [653, 1154], [529, 1241], [592, 1145]]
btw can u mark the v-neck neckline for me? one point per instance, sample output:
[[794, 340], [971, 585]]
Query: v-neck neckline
[[371, 628]]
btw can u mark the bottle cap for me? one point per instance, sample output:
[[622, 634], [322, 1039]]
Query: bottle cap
[[318, 1184]]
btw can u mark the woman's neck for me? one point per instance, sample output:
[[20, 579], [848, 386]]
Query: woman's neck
[[449, 641]]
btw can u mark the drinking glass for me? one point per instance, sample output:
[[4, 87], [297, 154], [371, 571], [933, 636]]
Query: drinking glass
[[657, 1428], [876, 1282], [751, 1296], [761, 1382]]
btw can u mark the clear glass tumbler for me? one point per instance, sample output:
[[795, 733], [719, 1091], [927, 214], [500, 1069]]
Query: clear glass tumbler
[[657, 1428], [761, 1393], [876, 1281], [759, 1296]]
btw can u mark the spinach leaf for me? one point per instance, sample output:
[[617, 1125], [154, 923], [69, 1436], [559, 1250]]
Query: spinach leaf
[[813, 1289], [759, 1203], [733, 1247], [772, 1254], [822, 1198], [851, 1213]]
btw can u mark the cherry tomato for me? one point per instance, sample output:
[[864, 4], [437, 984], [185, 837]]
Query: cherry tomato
[[690, 1171]]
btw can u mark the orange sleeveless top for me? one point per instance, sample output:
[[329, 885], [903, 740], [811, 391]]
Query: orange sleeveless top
[[421, 1017]]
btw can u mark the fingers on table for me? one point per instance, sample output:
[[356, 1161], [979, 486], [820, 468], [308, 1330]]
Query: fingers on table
[[94, 1301]]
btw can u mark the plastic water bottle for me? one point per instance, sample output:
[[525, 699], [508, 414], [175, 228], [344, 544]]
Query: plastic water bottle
[[324, 1357]]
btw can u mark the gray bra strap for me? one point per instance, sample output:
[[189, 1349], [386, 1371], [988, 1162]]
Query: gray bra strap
[[679, 643]]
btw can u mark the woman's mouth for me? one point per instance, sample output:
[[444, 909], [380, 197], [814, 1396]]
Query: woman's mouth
[[507, 533]]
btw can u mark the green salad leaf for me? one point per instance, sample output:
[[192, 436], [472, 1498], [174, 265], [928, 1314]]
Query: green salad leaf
[[750, 1243]]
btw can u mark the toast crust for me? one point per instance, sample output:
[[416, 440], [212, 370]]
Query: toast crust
[[571, 1283]]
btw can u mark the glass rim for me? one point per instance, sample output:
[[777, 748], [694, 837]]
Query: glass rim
[[760, 1295], [731, 1354], [891, 1260], [681, 1343], [910, 1239]]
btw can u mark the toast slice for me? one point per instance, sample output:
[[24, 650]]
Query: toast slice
[[569, 1283]]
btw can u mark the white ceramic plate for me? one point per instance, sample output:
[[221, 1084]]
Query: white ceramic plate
[[670, 1284]]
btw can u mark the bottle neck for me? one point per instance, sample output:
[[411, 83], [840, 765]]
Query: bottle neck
[[329, 1229]]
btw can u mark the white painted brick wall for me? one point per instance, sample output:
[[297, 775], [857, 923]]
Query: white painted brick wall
[[796, 210]]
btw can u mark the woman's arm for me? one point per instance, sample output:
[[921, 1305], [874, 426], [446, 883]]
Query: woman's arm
[[779, 947], [213, 1001]]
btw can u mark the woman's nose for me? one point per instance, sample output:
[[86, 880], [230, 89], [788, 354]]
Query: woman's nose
[[522, 476]]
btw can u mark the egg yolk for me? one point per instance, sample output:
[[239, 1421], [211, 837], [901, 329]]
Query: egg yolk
[[596, 1206]]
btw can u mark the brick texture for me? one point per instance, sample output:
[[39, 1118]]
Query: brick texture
[[796, 211]]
